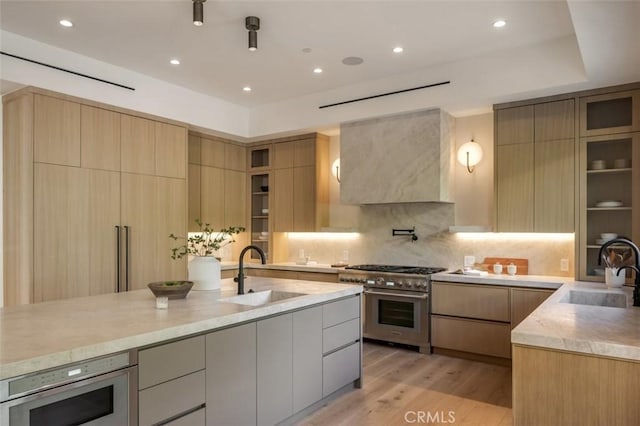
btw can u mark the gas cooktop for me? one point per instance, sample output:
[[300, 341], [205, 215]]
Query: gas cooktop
[[397, 269]]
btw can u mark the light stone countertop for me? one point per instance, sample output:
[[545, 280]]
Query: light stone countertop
[[555, 324], [286, 266], [592, 330], [535, 281], [50, 334]]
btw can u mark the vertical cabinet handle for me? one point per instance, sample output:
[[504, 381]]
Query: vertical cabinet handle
[[117, 258], [126, 258]]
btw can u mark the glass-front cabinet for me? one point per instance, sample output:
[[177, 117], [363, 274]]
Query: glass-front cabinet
[[260, 230], [609, 197]]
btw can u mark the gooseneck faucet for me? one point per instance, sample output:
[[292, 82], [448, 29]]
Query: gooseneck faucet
[[636, 267], [240, 278]]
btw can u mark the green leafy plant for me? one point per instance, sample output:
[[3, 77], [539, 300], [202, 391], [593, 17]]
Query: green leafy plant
[[204, 242]]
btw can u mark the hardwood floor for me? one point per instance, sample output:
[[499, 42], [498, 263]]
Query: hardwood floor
[[405, 387]]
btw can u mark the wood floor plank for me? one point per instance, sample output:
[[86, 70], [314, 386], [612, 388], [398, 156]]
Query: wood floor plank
[[400, 385]]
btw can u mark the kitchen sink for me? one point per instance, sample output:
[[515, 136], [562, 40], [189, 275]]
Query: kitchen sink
[[595, 298], [261, 297]]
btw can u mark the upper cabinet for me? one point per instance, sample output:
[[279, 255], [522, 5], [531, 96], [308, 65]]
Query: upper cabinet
[[56, 131], [606, 114], [217, 182], [402, 158], [535, 167]]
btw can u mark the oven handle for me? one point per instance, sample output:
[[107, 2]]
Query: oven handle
[[378, 293]]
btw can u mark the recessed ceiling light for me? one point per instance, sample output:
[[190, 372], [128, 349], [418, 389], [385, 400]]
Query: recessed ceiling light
[[317, 70], [499, 23], [66, 23], [174, 62], [398, 49], [246, 88]]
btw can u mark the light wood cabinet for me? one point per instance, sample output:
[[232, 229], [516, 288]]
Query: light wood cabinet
[[99, 138], [274, 369], [75, 211], [535, 167], [152, 208], [56, 136], [212, 187], [138, 142], [79, 197], [514, 125], [469, 301], [477, 319], [554, 188], [217, 182], [610, 113], [525, 301], [574, 389], [171, 150], [231, 376], [514, 188], [301, 180], [611, 183]]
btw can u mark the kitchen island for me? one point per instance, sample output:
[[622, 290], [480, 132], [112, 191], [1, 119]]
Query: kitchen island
[[46, 335]]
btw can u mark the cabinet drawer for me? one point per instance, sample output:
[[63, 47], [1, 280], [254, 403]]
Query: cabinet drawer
[[193, 419], [470, 301], [166, 362], [479, 337], [340, 368], [318, 276], [171, 398], [343, 310], [340, 335]]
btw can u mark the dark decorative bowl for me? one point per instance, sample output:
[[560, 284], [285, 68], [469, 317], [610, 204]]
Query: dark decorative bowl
[[264, 188], [171, 289]]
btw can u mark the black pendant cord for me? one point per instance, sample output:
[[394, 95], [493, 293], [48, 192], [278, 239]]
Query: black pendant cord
[[66, 70], [385, 94]]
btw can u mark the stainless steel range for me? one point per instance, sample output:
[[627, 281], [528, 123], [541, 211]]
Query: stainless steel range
[[396, 300]]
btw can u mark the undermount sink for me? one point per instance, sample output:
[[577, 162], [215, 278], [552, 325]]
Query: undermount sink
[[261, 297], [595, 298]]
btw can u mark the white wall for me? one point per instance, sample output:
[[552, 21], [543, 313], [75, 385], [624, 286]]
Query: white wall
[[474, 191]]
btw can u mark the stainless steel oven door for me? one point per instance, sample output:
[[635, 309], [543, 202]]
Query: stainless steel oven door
[[400, 317], [108, 399]]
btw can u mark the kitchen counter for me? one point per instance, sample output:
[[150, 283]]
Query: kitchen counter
[[535, 281], [592, 330], [45, 335], [286, 266]]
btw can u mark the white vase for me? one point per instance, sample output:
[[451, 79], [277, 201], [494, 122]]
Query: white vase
[[204, 271]]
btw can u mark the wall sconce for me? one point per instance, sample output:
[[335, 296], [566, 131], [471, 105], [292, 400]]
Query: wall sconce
[[335, 169], [470, 154]]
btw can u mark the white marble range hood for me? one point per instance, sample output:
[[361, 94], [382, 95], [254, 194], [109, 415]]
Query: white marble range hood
[[404, 158]]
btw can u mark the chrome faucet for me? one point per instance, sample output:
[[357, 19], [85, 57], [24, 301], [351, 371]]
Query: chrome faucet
[[240, 278], [636, 267]]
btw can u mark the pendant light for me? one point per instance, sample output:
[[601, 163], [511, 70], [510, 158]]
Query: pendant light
[[198, 12], [252, 23]]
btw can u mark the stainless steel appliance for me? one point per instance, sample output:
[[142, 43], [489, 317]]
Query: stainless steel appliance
[[99, 391], [396, 302]]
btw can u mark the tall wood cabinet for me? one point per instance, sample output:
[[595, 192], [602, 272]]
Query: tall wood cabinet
[[535, 167], [91, 194], [217, 182], [288, 188]]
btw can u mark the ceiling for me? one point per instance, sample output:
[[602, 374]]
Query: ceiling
[[143, 36]]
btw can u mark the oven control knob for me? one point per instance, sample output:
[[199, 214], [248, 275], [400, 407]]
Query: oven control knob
[[400, 283], [410, 284], [380, 281]]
